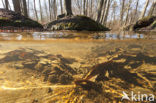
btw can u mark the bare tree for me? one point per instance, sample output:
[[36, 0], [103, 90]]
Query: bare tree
[[68, 9], [6, 5], [114, 6], [3, 3], [136, 10], [144, 10], [153, 6], [41, 14], [87, 7], [127, 12], [99, 10], [49, 1], [46, 9], [28, 7], [107, 10], [17, 7], [122, 11], [21, 5], [54, 8], [84, 7], [61, 6], [104, 10], [25, 8], [91, 7], [78, 4], [35, 10]]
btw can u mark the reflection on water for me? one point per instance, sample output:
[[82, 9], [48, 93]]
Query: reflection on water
[[73, 34]]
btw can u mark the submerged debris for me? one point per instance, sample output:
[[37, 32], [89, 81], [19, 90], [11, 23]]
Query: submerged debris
[[52, 67], [111, 77]]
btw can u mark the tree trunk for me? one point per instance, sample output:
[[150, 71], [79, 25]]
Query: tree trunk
[[17, 7], [41, 14], [145, 8], [122, 11], [50, 9], [87, 7], [107, 10], [136, 10], [90, 9], [61, 6], [9, 6], [46, 9], [131, 17], [6, 5], [114, 6], [25, 8], [152, 8], [99, 10], [104, 10], [28, 7], [129, 4], [68, 9], [84, 7], [3, 3], [21, 5], [55, 9], [35, 10], [78, 3]]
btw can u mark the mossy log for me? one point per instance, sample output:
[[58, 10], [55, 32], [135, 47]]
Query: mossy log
[[10, 18], [153, 25], [146, 23], [75, 23]]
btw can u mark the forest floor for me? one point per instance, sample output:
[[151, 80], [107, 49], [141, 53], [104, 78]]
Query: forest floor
[[20, 84]]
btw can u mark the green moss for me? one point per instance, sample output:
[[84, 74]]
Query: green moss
[[144, 22], [20, 23], [153, 25], [4, 18], [4, 22], [145, 19], [76, 23]]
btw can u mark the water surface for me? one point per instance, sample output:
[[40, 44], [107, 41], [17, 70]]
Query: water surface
[[123, 35]]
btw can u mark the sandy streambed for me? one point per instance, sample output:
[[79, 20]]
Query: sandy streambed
[[44, 71]]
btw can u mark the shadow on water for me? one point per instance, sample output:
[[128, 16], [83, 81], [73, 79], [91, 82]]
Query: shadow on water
[[74, 34]]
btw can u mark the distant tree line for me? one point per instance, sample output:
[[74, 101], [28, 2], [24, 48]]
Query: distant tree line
[[106, 12]]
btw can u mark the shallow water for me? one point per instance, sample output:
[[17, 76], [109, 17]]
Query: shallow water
[[123, 35], [21, 55]]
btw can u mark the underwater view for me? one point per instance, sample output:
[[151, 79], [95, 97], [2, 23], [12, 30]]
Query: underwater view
[[77, 51], [65, 67]]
